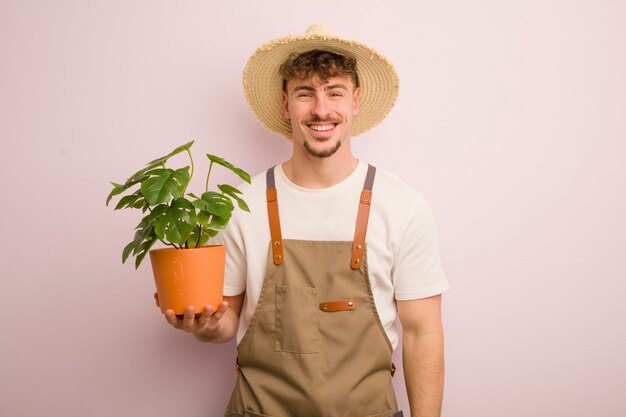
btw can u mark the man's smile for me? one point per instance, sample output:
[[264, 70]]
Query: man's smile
[[322, 128]]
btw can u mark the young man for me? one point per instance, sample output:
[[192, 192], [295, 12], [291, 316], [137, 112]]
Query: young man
[[313, 297]]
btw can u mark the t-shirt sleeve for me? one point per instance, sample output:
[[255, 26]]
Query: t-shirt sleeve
[[236, 267], [417, 271]]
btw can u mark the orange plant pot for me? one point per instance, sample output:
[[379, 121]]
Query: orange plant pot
[[189, 277]]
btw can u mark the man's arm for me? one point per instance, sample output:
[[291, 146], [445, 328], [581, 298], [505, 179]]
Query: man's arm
[[422, 354], [212, 325]]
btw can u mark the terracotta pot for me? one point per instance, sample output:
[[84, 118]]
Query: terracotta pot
[[189, 277]]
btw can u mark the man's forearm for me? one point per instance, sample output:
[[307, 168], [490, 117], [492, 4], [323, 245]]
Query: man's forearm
[[422, 356]]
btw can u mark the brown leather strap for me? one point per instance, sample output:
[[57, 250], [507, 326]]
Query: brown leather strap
[[334, 306], [274, 218], [358, 246]]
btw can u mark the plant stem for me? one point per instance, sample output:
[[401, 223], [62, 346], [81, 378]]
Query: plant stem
[[206, 188], [165, 243], [199, 235], [190, 174]]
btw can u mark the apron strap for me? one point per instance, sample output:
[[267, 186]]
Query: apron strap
[[358, 246], [272, 212]]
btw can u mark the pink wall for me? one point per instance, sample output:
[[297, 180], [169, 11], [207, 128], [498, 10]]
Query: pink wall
[[511, 121]]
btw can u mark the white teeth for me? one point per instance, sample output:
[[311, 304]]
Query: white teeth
[[321, 128]]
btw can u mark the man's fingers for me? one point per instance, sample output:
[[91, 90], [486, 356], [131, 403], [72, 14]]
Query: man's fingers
[[207, 319], [189, 318], [220, 311], [210, 317], [172, 319], [205, 314]]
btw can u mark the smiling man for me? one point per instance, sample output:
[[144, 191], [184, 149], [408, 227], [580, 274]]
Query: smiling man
[[315, 284], [320, 97]]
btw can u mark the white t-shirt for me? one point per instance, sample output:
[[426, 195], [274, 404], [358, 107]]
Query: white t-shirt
[[402, 252]]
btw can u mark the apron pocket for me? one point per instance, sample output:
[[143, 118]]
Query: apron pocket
[[297, 321]]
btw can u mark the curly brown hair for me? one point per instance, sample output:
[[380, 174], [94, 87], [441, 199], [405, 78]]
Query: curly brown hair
[[321, 64]]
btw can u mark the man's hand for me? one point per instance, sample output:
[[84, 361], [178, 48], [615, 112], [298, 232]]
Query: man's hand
[[212, 325]]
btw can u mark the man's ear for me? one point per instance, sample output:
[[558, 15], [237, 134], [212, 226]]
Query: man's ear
[[355, 100], [285, 106]]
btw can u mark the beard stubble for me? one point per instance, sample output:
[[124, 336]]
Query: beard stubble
[[324, 153]]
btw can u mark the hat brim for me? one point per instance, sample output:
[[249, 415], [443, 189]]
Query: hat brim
[[263, 84]]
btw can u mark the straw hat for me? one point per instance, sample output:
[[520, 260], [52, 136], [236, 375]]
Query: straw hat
[[263, 84]]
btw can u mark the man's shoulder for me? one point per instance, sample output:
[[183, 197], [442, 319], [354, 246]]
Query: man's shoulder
[[395, 190]]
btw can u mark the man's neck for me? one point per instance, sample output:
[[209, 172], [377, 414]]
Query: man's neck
[[316, 173]]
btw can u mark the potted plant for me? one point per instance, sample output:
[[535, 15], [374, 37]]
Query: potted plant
[[186, 272]]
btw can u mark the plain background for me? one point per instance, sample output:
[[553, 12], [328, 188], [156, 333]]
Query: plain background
[[510, 121]]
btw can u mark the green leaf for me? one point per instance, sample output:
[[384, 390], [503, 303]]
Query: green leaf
[[127, 251], [193, 238], [165, 184], [233, 192], [161, 226], [218, 223], [215, 211], [184, 204], [120, 188], [156, 212], [178, 231], [159, 162], [227, 189], [140, 175], [163, 159], [144, 235], [206, 234], [144, 249], [215, 203], [177, 222], [221, 161], [203, 218], [117, 189], [143, 230], [135, 200]]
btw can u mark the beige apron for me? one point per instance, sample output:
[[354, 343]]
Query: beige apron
[[315, 346]]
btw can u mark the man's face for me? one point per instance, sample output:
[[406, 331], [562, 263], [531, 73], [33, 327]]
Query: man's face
[[321, 113]]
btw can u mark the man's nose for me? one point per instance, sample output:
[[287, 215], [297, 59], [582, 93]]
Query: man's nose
[[320, 108]]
